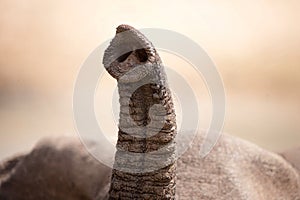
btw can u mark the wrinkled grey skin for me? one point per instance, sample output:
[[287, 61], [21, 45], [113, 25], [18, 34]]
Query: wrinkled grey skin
[[235, 169], [143, 169], [57, 168], [61, 169]]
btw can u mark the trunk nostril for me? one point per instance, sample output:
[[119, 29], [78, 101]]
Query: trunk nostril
[[123, 57], [142, 55]]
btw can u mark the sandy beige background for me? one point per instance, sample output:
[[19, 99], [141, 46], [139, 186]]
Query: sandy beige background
[[255, 45]]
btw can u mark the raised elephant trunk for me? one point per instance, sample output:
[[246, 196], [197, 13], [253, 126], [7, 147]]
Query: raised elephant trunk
[[144, 165]]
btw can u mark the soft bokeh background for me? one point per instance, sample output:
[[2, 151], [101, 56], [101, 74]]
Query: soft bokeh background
[[255, 45]]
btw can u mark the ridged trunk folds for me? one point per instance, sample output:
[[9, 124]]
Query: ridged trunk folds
[[144, 165], [133, 176]]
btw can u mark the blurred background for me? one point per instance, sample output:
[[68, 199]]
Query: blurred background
[[254, 44]]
